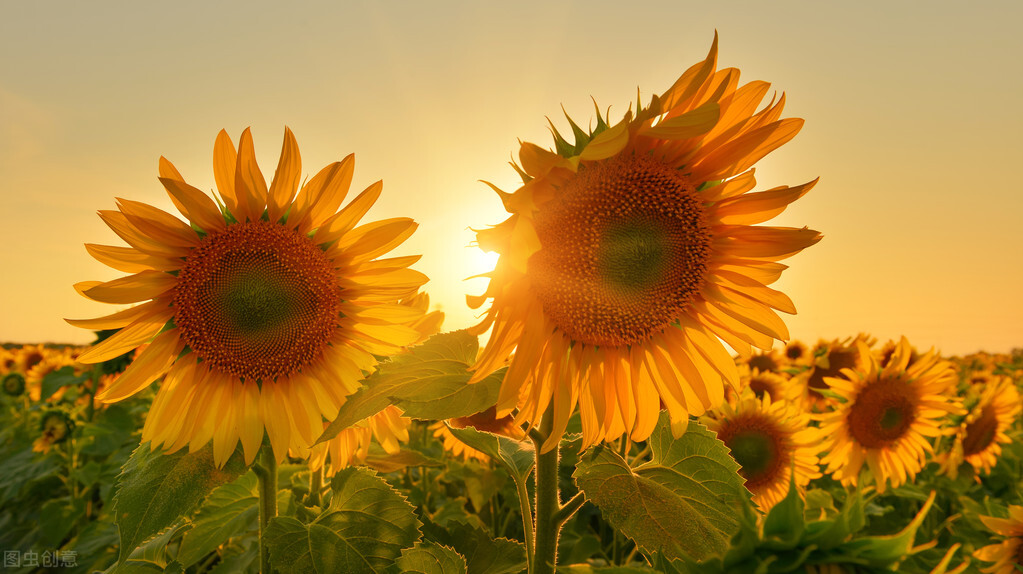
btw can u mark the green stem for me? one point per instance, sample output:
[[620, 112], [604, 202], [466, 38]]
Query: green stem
[[527, 521], [94, 376], [545, 554], [315, 486], [266, 472]]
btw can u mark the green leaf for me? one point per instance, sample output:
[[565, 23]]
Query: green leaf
[[230, 510], [430, 558], [784, 523], [884, 550], [62, 377], [483, 554], [385, 463], [363, 529], [687, 501], [156, 489], [430, 382], [517, 457]]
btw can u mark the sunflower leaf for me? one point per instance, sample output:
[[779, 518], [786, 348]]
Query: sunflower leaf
[[363, 530], [686, 502], [229, 511], [430, 382], [155, 489], [517, 457], [62, 377], [430, 558], [483, 554]]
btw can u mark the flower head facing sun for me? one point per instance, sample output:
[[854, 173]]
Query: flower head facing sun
[[768, 439], [632, 253], [1008, 554], [885, 415], [979, 439], [262, 310]]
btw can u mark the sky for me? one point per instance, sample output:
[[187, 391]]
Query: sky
[[913, 115]]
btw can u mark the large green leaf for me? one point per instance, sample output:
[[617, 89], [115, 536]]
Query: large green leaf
[[156, 489], [687, 501], [429, 382], [517, 457], [363, 530], [483, 554], [230, 510], [430, 558]]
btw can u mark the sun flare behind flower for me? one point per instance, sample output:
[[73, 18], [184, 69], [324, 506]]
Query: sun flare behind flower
[[263, 309], [630, 254]]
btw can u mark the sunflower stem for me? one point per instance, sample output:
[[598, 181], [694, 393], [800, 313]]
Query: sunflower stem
[[266, 472], [527, 521], [548, 503]]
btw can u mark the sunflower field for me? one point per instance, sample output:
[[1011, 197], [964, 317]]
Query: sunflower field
[[278, 395]]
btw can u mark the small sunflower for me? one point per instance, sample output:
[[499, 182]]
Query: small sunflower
[[979, 438], [828, 360], [885, 415], [769, 383], [13, 384], [263, 310], [768, 439], [1008, 554], [54, 428], [796, 353], [632, 253]]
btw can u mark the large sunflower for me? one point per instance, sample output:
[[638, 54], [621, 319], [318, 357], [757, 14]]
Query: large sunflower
[[1008, 554], [768, 439], [885, 415], [263, 311], [979, 439], [630, 253]]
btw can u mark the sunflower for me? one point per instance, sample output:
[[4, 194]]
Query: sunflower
[[885, 415], [796, 353], [1007, 555], [263, 310], [979, 438], [768, 439], [828, 360], [631, 254]]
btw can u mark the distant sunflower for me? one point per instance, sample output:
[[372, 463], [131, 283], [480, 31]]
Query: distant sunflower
[[979, 438], [266, 310], [885, 415], [796, 353], [766, 439], [629, 253], [1008, 554], [828, 360], [767, 383]]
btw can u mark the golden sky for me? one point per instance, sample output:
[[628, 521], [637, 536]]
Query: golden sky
[[913, 122]]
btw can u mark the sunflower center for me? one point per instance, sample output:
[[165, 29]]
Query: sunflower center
[[882, 412], [756, 444], [257, 301], [981, 432], [624, 250]]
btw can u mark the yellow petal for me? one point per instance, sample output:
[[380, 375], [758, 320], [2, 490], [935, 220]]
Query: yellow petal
[[133, 288], [688, 125], [322, 195], [249, 185], [753, 208], [738, 155], [115, 320], [345, 220], [151, 364], [195, 205], [374, 239], [129, 259], [286, 178], [225, 161], [158, 224], [139, 240], [607, 143], [142, 330]]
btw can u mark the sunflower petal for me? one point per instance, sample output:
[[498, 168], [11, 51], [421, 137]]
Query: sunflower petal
[[151, 364], [195, 205], [286, 178], [128, 338]]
